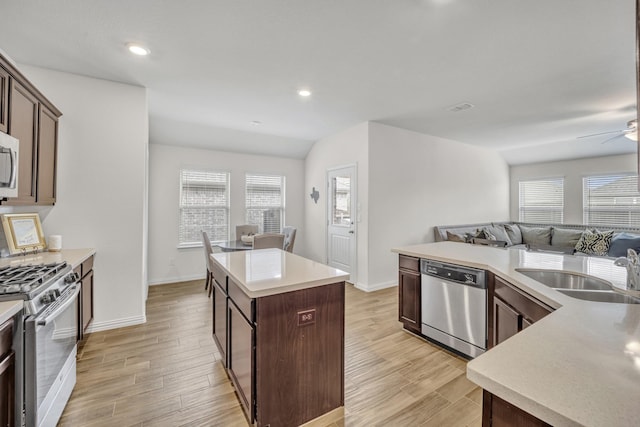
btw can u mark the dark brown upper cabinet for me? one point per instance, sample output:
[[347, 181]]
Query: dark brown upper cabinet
[[26, 114], [23, 124], [4, 100]]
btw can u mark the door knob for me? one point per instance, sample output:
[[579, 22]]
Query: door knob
[[350, 231]]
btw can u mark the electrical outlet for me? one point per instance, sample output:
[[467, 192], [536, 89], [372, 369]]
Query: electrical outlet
[[306, 317]]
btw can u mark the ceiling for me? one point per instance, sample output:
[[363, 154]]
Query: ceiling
[[539, 73]]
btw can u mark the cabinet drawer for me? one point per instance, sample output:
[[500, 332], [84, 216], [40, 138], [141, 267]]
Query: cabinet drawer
[[6, 337], [242, 301], [87, 266], [531, 309], [219, 276], [409, 263]]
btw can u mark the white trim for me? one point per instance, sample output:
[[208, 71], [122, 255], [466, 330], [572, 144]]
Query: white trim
[[168, 280], [376, 286], [116, 323]]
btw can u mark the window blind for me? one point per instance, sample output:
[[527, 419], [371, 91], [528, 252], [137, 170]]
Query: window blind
[[542, 200], [204, 206], [611, 200], [265, 202]]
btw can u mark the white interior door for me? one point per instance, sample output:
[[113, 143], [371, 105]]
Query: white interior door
[[341, 229]]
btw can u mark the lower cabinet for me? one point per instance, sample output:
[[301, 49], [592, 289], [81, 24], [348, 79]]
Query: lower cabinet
[[7, 375], [500, 413], [219, 301], [409, 293], [241, 358], [85, 299], [512, 311]]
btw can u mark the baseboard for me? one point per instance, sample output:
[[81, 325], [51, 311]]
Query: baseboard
[[117, 323], [176, 279], [376, 286]]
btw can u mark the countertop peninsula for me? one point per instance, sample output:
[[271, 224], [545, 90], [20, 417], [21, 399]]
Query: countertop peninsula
[[580, 365], [264, 272]]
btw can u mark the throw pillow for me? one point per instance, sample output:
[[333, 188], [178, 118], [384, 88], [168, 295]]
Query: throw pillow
[[455, 237], [537, 236], [623, 241], [499, 232], [514, 233], [595, 243], [484, 233], [565, 237]]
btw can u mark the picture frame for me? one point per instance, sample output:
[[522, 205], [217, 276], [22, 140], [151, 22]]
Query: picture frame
[[23, 233]]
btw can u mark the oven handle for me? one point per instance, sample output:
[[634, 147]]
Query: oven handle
[[71, 296]]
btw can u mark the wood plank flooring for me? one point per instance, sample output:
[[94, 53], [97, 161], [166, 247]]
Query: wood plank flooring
[[167, 371]]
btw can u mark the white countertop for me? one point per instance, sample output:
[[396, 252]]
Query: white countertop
[[264, 272], [578, 366], [8, 309], [73, 257]]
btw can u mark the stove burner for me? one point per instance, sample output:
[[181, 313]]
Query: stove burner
[[26, 278]]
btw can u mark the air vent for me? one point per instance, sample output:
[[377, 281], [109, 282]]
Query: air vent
[[461, 107]]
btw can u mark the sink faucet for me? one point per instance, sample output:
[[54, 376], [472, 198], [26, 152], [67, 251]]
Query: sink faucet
[[632, 263]]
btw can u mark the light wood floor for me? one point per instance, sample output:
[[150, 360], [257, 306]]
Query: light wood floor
[[167, 371]]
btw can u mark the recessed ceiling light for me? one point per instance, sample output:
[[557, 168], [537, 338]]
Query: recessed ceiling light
[[256, 123], [138, 49], [304, 92]]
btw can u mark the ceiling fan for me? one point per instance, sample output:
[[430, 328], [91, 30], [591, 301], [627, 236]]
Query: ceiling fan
[[631, 132]]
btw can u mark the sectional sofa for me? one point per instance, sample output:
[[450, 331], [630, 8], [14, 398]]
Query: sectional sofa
[[606, 241]]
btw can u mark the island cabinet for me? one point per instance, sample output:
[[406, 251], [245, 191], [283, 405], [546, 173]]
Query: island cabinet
[[409, 293], [284, 334], [26, 114], [85, 306], [510, 311], [7, 374], [220, 301]]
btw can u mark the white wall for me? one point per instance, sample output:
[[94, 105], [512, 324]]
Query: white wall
[[417, 181], [345, 148], [103, 138], [573, 171], [167, 263]]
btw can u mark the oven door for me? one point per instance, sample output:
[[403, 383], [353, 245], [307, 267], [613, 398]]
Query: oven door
[[50, 356]]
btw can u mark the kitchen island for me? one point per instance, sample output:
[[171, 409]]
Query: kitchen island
[[278, 321], [579, 365]]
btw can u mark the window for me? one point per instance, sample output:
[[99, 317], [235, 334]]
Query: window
[[265, 202], [611, 200], [542, 200], [204, 206]]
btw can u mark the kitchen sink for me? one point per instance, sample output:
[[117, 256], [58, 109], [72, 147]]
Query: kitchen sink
[[587, 288], [565, 280], [600, 296]]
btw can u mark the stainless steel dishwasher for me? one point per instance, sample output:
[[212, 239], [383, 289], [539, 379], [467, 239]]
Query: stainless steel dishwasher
[[454, 306]]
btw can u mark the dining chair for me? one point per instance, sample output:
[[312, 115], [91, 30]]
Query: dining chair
[[289, 238], [208, 284], [268, 240], [245, 230]]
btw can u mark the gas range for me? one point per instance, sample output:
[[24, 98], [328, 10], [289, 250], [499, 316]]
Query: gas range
[[48, 332], [39, 285]]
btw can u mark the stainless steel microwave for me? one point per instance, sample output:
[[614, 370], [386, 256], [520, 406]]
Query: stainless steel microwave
[[9, 147]]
